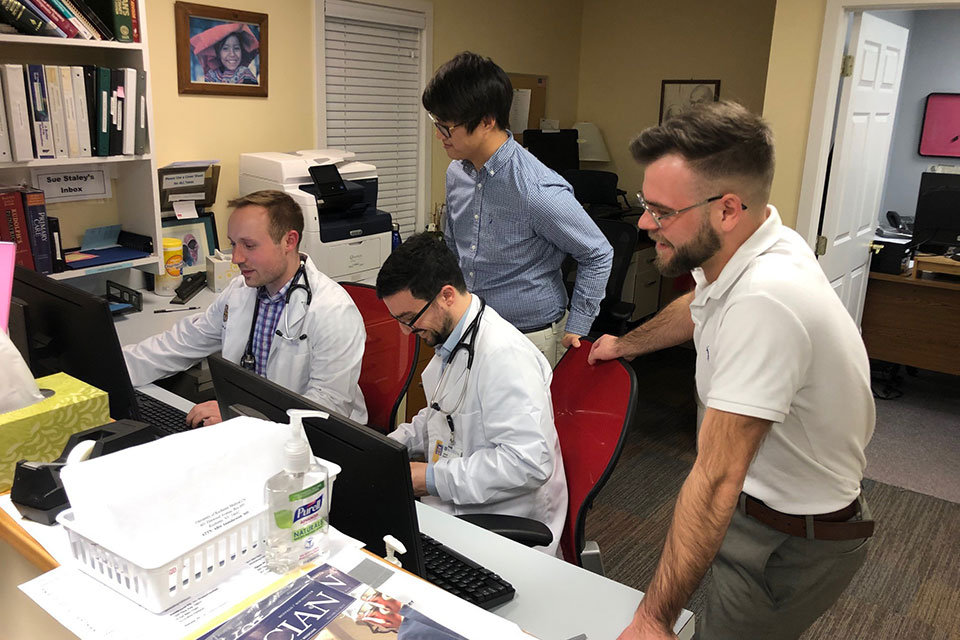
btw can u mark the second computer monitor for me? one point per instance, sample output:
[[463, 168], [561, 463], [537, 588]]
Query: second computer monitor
[[937, 223], [373, 494]]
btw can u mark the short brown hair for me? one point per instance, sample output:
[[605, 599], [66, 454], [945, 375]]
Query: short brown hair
[[718, 140], [285, 214]]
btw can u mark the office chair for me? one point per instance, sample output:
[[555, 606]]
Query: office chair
[[598, 193], [389, 358], [592, 428]]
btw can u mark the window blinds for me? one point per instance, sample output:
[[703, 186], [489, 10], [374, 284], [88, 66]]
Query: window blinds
[[373, 88]]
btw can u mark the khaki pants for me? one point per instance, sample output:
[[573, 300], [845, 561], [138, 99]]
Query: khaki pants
[[549, 340], [767, 584]]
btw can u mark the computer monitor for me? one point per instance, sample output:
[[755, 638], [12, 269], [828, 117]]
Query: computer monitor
[[937, 223], [72, 331], [373, 494], [559, 150]]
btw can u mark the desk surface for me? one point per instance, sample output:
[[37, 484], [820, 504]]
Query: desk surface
[[134, 327]]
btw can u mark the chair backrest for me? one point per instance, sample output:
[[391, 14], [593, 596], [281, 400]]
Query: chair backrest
[[623, 237], [389, 358], [592, 407]]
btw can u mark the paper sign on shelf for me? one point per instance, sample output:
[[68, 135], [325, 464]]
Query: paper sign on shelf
[[77, 183], [175, 180]]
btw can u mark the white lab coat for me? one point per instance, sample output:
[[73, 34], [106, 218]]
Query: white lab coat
[[510, 459], [324, 367]]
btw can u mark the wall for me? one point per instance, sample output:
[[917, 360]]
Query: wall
[[931, 66], [533, 36], [628, 47], [190, 127]]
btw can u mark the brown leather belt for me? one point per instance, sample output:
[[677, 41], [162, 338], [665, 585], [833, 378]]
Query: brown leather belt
[[824, 526]]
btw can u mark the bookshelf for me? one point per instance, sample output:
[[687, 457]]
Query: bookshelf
[[135, 200]]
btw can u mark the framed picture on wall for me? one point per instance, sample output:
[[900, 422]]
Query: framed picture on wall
[[678, 95], [198, 236], [220, 51], [940, 135]]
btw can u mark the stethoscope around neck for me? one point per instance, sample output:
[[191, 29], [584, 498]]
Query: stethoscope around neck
[[248, 360], [467, 343]]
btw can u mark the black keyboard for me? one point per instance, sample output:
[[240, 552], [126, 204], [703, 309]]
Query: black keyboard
[[463, 577], [160, 415]]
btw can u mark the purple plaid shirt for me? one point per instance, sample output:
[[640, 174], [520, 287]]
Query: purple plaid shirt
[[270, 309]]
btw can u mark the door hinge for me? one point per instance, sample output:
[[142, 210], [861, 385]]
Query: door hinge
[[821, 245], [846, 66]]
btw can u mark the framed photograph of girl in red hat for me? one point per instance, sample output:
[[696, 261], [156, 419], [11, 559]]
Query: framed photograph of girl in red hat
[[220, 51]]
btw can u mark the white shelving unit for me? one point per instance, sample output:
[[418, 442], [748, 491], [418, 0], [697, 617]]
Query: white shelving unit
[[135, 189]]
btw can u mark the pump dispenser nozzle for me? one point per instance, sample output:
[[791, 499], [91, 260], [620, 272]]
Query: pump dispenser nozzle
[[296, 451]]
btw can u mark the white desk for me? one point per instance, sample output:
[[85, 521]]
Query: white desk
[[134, 327]]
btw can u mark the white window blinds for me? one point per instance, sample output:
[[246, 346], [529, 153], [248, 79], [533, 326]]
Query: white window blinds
[[373, 88]]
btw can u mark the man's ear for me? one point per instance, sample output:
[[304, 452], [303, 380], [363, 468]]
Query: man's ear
[[732, 212], [448, 294], [291, 240]]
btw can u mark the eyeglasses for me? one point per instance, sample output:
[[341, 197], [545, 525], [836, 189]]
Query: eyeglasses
[[659, 213], [410, 323], [442, 128]]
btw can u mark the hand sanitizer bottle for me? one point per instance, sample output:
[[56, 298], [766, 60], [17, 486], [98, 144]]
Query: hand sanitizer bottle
[[298, 503]]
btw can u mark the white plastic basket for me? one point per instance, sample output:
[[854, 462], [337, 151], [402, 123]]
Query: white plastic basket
[[195, 572]]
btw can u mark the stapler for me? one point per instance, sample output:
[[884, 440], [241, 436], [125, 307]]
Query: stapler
[[190, 286], [37, 491]]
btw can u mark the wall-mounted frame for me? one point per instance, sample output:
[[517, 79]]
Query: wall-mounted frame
[[940, 133], [220, 51], [198, 236], [677, 95]]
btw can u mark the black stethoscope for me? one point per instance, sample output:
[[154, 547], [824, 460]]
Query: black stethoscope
[[248, 360], [468, 343]]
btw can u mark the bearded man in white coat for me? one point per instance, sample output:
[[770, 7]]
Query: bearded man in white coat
[[486, 442], [281, 317]]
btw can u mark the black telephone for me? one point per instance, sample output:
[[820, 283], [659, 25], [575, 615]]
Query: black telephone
[[900, 223]]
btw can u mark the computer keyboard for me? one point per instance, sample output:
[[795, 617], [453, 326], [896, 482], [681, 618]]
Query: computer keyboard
[[163, 417], [463, 577]]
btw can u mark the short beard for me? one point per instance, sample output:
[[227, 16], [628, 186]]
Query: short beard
[[693, 254], [433, 338]]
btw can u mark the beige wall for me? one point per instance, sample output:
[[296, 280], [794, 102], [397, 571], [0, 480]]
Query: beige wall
[[628, 47], [528, 36], [189, 127], [791, 75]]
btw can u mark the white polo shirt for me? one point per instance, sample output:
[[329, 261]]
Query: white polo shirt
[[774, 342]]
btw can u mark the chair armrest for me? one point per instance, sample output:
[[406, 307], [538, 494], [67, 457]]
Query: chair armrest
[[531, 533], [623, 194]]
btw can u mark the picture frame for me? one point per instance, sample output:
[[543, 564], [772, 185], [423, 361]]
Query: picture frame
[[198, 237], [940, 131], [220, 51], [677, 95]]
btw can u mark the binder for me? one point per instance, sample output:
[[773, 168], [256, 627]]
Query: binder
[[104, 113], [70, 112], [55, 106], [5, 155], [83, 112], [129, 110], [140, 139], [39, 114], [17, 109], [116, 112]]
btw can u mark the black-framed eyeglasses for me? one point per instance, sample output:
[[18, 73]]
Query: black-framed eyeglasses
[[444, 129], [410, 323], [659, 213]]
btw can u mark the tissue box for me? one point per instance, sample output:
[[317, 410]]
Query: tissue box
[[220, 271], [39, 432]]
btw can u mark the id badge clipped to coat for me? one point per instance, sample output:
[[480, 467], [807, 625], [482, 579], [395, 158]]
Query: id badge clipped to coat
[[445, 449]]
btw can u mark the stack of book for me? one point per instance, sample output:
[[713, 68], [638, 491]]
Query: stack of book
[[84, 111], [24, 222], [84, 19]]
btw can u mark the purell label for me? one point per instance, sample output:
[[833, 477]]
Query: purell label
[[307, 510]]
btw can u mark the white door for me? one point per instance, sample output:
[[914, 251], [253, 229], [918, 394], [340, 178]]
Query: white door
[[868, 101]]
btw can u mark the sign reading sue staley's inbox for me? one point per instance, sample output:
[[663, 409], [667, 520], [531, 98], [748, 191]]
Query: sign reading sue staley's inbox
[[78, 183]]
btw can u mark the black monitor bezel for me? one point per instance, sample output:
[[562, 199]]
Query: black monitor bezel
[[374, 482]]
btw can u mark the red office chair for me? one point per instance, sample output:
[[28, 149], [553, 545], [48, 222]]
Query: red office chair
[[389, 358], [592, 407]]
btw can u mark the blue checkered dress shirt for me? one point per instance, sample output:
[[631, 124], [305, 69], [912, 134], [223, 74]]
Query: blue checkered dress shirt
[[511, 224], [270, 309]]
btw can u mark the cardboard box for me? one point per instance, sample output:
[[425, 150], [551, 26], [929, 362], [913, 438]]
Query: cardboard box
[[39, 432], [220, 271]]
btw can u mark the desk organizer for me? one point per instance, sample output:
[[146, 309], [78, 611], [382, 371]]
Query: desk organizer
[[192, 573]]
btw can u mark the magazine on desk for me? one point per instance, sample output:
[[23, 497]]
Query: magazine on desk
[[328, 604]]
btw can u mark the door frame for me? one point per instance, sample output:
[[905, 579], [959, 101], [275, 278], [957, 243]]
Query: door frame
[[822, 124]]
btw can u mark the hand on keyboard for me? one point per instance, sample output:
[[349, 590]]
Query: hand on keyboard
[[204, 414]]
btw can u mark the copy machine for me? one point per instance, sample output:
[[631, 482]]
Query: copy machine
[[343, 233]]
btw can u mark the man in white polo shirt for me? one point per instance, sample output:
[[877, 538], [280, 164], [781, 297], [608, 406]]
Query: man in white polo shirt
[[772, 504]]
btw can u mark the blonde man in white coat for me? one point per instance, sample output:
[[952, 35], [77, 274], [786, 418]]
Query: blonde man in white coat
[[486, 442], [281, 317]]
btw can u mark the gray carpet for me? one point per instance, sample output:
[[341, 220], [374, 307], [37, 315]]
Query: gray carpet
[[909, 587]]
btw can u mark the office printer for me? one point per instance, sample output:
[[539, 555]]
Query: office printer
[[344, 233]]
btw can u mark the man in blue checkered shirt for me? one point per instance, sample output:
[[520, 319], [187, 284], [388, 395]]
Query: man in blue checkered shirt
[[511, 221]]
